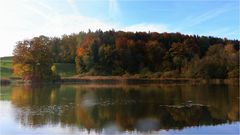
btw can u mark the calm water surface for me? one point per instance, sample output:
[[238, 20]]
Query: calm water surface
[[98, 109]]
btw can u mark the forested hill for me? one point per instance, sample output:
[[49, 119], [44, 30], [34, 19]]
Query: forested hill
[[161, 54]]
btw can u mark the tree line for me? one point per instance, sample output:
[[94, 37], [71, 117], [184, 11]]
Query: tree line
[[118, 53]]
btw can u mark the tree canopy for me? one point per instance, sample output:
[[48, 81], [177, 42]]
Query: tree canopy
[[33, 59], [117, 53]]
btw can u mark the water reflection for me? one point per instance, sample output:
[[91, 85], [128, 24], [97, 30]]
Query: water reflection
[[116, 109]]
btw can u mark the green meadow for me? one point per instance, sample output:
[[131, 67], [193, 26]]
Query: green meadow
[[63, 69], [6, 67]]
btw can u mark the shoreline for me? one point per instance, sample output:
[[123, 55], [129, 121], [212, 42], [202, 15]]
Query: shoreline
[[119, 80], [135, 80]]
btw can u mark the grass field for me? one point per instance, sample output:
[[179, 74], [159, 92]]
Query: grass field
[[6, 67], [63, 69]]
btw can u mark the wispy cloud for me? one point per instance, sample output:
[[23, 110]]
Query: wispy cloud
[[147, 27], [37, 11], [223, 32], [114, 10], [72, 3], [39, 18], [56, 24], [196, 20], [22, 19], [66, 24], [44, 5], [193, 22]]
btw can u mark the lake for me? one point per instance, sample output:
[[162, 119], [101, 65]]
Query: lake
[[119, 109]]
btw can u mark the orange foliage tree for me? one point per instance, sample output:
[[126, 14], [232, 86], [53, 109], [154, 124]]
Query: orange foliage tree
[[33, 59]]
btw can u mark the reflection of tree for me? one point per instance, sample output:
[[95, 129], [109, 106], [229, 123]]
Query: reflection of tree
[[233, 113], [94, 108], [34, 103], [192, 116], [82, 115], [221, 99]]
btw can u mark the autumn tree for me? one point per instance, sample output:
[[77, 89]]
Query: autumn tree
[[68, 47], [22, 58], [106, 58], [232, 58], [32, 58], [214, 64], [154, 54], [180, 54], [54, 48], [118, 52]]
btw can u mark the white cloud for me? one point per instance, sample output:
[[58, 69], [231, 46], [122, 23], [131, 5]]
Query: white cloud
[[72, 5], [24, 19], [66, 24], [147, 27]]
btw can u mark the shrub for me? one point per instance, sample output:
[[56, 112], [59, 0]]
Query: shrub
[[170, 74], [234, 73], [208, 68]]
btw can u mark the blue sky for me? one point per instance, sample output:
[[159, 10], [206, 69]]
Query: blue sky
[[23, 19]]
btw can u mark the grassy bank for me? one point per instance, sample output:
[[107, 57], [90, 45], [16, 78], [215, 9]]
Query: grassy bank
[[6, 67], [63, 69], [68, 75]]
